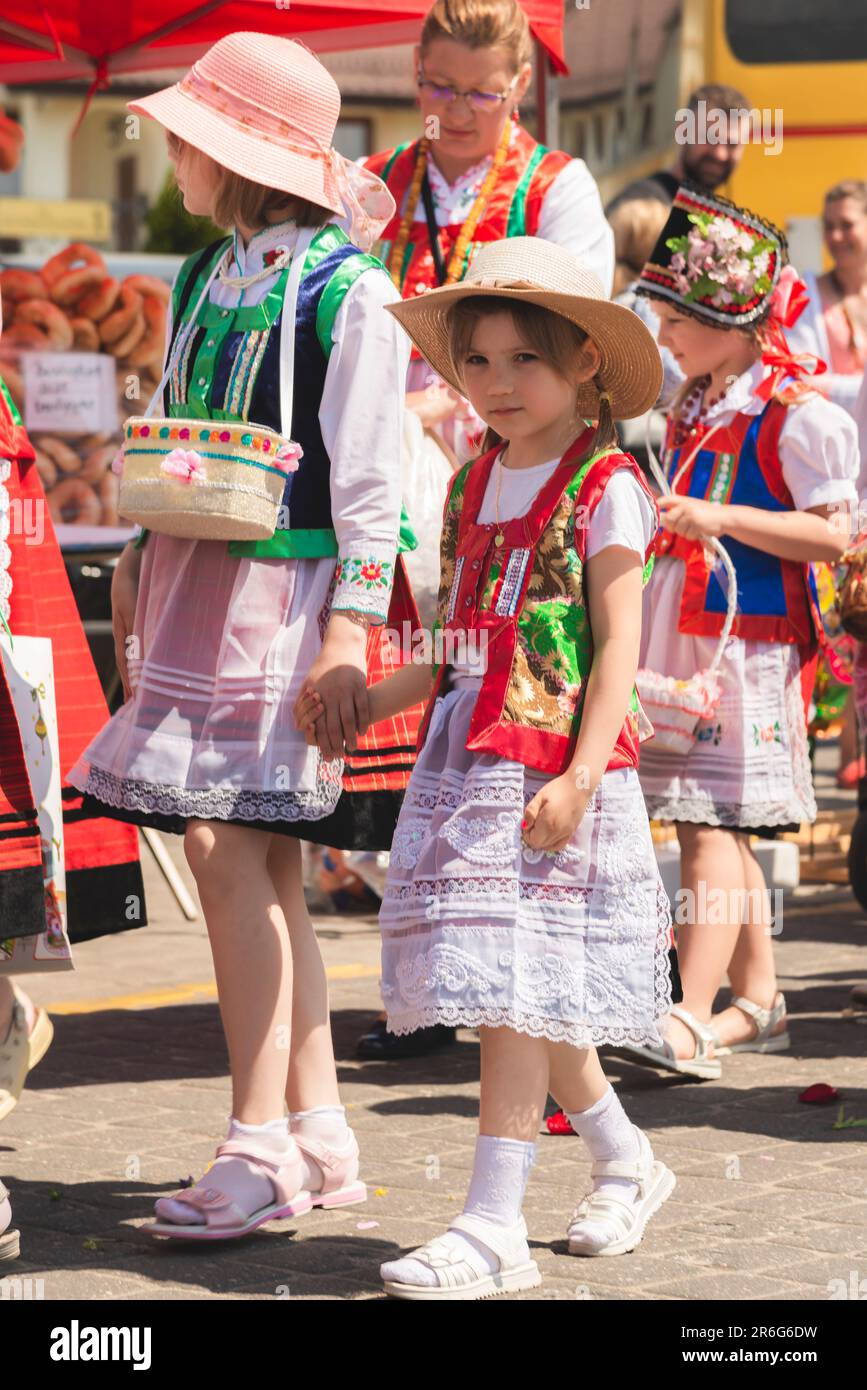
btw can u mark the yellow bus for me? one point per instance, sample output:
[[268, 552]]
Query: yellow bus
[[806, 59]]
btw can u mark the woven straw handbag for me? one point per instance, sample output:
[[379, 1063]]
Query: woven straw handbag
[[676, 707], [213, 479], [852, 589]]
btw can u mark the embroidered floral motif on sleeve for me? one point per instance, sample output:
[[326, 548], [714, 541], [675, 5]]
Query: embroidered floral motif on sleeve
[[363, 583]]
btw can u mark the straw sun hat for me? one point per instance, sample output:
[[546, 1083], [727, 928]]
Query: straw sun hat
[[264, 107], [530, 270]]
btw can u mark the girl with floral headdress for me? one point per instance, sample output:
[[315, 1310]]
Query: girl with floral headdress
[[758, 459]]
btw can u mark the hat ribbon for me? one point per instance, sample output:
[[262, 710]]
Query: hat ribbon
[[789, 299], [497, 282], [784, 363]]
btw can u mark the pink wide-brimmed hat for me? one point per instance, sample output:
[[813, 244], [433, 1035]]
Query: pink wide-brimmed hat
[[265, 107]]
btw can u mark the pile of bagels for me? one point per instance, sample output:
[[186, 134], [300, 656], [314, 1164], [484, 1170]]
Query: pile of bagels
[[73, 304]]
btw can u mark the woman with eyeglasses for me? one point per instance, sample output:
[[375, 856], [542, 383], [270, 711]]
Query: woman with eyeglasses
[[476, 175], [473, 176]]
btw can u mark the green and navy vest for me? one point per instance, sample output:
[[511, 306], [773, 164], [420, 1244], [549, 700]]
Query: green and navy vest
[[229, 370]]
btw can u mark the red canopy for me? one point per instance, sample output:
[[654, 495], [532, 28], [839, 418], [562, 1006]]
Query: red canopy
[[62, 40]]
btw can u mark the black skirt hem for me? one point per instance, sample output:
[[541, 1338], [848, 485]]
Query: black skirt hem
[[360, 820]]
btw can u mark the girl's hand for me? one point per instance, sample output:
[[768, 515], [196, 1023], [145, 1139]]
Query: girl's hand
[[309, 709], [554, 814], [339, 677], [436, 404], [124, 594], [692, 517]]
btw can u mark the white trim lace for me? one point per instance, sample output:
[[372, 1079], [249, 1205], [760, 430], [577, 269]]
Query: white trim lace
[[478, 929], [213, 803]]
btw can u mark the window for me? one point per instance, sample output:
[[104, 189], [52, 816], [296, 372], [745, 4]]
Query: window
[[797, 31], [647, 126], [352, 137], [10, 184]]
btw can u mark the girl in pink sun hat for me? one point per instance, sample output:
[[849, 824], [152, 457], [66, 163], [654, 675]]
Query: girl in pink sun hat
[[280, 324]]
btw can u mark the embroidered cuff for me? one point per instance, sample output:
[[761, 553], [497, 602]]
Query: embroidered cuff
[[363, 583]]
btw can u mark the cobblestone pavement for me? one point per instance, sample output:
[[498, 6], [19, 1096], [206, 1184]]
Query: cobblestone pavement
[[771, 1199]]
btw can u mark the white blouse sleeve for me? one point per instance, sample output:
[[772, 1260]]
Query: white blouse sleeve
[[624, 515], [361, 419], [819, 453], [809, 334], [572, 216], [861, 422]]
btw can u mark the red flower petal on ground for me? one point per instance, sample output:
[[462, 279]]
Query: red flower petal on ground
[[819, 1094], [559, 1124]]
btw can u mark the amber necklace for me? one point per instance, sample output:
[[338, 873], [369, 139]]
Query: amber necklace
[[465, 236]]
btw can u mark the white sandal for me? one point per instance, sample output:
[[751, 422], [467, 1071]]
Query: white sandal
[[765, 1020], [701, 1065], [629, 1219], [456, 1276], [10, 1241]]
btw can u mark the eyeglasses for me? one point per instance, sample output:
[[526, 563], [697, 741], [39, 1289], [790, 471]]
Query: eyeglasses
[[478, 101]]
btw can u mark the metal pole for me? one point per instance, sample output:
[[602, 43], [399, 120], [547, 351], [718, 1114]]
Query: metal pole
[[541, 94], [170, 874]]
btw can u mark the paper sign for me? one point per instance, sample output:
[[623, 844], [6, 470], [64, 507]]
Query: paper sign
[[29, 668], [70, 392]]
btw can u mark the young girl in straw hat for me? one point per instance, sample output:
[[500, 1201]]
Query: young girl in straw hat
[[523, 897], [475, 175], [756, 458], [224, 633]]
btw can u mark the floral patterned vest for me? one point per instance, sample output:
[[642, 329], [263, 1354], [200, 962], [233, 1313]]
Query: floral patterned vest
[[527, 596], [777, 600], [513, 209]]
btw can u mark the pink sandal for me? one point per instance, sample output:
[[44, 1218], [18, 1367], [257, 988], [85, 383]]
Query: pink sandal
[[340, 1187], [224, 1219]]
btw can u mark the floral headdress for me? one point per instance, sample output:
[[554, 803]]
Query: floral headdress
[[729, 268], [715, 261]]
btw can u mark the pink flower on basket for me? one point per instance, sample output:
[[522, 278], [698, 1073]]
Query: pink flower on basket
[[185, 464], [117, 463], [287, 455]]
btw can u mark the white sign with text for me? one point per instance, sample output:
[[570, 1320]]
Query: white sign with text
[[70, 392]]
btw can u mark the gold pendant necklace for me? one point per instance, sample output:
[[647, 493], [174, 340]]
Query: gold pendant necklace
[[499, 538]]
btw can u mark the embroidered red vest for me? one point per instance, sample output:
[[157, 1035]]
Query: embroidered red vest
[[513, 208], [741, 465], [525, 598]]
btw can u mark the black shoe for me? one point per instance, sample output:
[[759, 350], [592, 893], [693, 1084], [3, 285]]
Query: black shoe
[[380, 1045]]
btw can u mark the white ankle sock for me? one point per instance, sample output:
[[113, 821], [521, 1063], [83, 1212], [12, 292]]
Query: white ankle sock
[[608, 1133], [326, 1123], [235, 1176], [496, 1194]]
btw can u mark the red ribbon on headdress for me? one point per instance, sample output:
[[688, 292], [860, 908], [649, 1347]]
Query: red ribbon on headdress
[[788, 302]]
